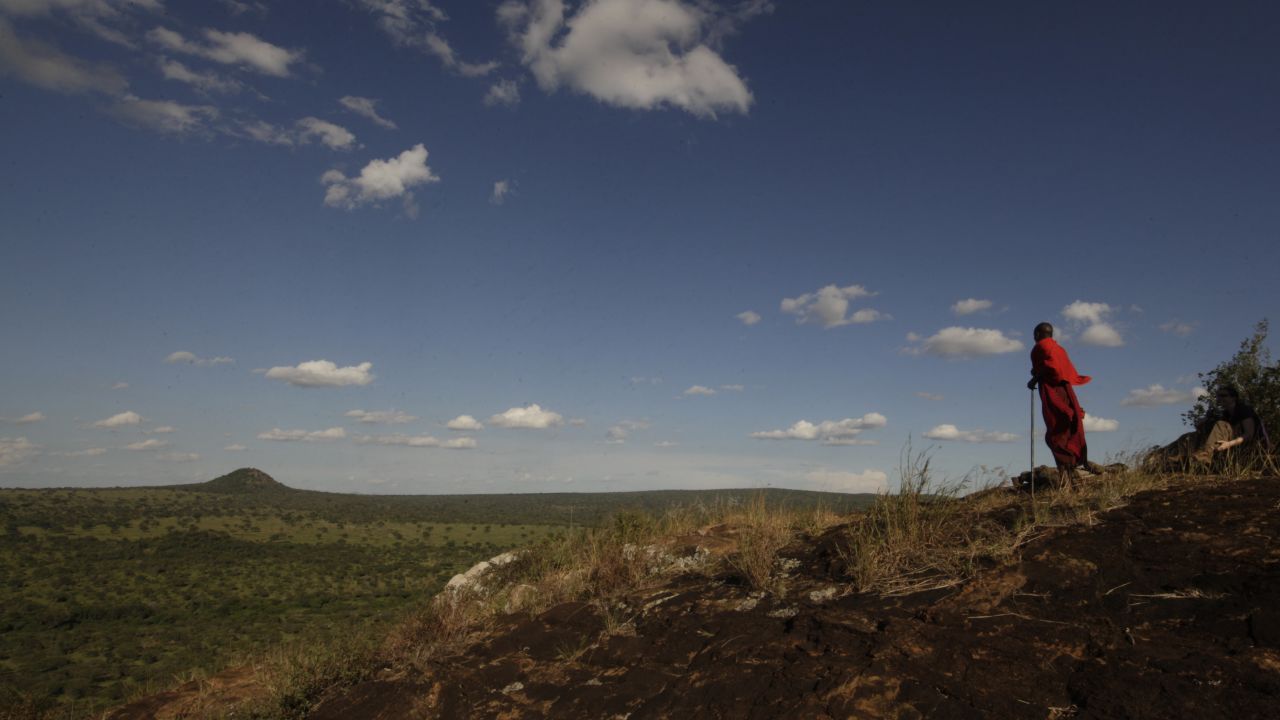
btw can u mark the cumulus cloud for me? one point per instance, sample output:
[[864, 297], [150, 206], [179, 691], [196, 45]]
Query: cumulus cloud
[[366, 108], [379, 181], [381, 417], [970, 306], [640, 54], [16, 450], [532, 417], [829, 432], [120, 385], [503, 92], [1157, 394], [94, 16], [964, 342], [206, 82], [1093, 423], [165, 116], [867, 481], [1092, 316], [464, 423], [418, 441], [119, 420], [501, 189], [829, 307], [1179, 328], [278, 435], [189, 358], [322, 373], [950, 432], [748, 317], [179, 457], [698, 390], [29, 418], [148, 444], [47, 67], [304, 132], [240, 49], [235, 447]]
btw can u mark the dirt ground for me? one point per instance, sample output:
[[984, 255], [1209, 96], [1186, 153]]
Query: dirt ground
[[1169, 607]]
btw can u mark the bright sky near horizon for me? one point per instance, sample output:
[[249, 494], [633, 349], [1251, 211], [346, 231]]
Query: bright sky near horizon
[[523, 246]]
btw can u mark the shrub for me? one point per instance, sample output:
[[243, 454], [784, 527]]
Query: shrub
[[1253, 373]]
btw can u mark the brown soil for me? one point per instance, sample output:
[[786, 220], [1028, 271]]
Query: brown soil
[[1167, 607]]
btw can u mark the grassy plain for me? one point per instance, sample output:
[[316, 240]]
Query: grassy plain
[[109, 593]]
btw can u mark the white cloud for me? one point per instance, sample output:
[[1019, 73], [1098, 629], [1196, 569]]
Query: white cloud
[[240, 49], [163, 430], [415, 23], [1179, 328], [1102, 334], [733, 388], [1093, 423], [278, 435], [641, 54], [164, 116], [207, 82], [182, 356], [387, 417], [1093, 317], [418, 441], [148, 444], [698, 390], [16, 450], [1157, 394], [179, 457], [619, 433], [47, 67], [366, 108], [120, 385], [934, 397], [867, 481], [503, 92], [532, 417], [970, 306], [29, 418], [828, 306], [577, 422], [378, 181], [87, 452], [333, 136], [322, 373], [951, 432], [464, 423], [748, 317], [235, 447], [118, 420], [962, 342], [501, 189], [830, 432]]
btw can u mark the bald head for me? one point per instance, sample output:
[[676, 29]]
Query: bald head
[[1043, 330]]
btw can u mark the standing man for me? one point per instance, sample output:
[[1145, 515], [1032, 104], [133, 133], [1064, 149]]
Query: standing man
[[1052, 370]]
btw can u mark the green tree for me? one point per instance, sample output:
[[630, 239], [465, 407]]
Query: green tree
[[1253, 373]]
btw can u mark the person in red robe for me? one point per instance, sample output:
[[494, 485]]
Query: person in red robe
[[1052, 370]]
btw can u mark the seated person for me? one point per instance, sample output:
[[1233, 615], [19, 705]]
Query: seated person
[[1232, 424]]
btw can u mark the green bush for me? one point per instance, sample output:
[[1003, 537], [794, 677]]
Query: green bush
[[1253, 373]]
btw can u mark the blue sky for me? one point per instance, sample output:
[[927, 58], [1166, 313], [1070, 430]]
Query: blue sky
[[638, 243]]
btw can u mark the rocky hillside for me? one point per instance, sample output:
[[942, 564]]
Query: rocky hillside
[[1168, 606]]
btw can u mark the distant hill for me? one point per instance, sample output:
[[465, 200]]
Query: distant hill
[[245, 481]]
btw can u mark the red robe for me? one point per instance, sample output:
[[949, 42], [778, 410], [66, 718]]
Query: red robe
[[1063, 416]]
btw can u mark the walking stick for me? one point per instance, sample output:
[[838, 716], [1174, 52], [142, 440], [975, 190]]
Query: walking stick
[[1032, 436]]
